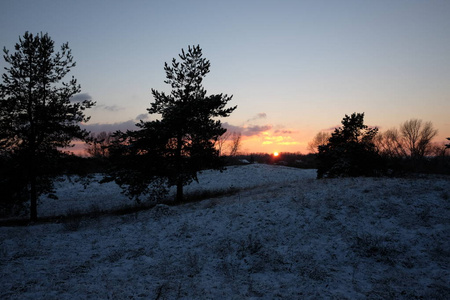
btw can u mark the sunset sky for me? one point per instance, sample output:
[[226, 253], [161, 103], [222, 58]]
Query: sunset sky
[[294, 68]]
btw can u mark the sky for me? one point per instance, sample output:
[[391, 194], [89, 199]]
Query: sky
[[294, 68]]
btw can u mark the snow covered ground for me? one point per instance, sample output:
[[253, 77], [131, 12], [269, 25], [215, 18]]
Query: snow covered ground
[[284, 235], [74, 198]]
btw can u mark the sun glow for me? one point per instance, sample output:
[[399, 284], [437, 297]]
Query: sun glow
[[276, 154]]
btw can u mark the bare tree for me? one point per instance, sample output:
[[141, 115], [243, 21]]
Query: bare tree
[[98, 147], [235, 143], [321, 138], [439, 149], [417, 137], [390, 143], [221, 140]]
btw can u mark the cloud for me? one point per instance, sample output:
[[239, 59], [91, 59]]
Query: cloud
[[284, 131], [131, 125], [247, 130], [289, 143], [85, 96], [279, 140], [262, 115], [110, 127], [143, 117], [232, 128], [255, 130], [109, 107], [258, 117], [80, 97]]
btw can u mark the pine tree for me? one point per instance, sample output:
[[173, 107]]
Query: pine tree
[[350, 150], [37, 116], [182, 141]]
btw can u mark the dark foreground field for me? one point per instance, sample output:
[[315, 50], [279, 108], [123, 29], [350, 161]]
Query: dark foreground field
[[283, 235]]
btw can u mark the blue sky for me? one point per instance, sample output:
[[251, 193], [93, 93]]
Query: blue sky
[[294, 67]]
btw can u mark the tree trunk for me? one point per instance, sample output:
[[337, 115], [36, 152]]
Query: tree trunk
[[179, 169], [32, 176], [32, 137]]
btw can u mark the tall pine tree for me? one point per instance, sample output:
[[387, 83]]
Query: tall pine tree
[[182, 141], [37, 116]]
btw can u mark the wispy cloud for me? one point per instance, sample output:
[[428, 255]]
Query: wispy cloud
[[80, 97], [255, 130], [258, 116], [110, 127], [85, 96], [109, 107], [252, 130], [143, 117], [287, 131], [232, 128], [279, 139], [247, 129]]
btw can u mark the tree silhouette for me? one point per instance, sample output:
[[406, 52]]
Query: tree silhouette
[[37, 116], [98, 144], [417, 137], [350, 150], [235, 145], [321, 138], [221, 140], [183, 141], [390, 144]]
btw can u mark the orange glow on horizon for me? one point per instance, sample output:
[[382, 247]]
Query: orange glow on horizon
[[288, 140], [276, 154], [269, 142]]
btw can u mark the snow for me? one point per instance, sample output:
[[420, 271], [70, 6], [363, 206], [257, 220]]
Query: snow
[[283, 235], [100, 197]]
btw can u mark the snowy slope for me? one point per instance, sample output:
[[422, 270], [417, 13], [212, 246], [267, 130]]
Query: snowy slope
[[74, 197], [286, 235]]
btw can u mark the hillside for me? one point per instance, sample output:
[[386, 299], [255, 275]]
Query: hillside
[[283, 235]]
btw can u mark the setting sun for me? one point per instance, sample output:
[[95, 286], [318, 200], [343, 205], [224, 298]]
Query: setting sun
[[276, 154]]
